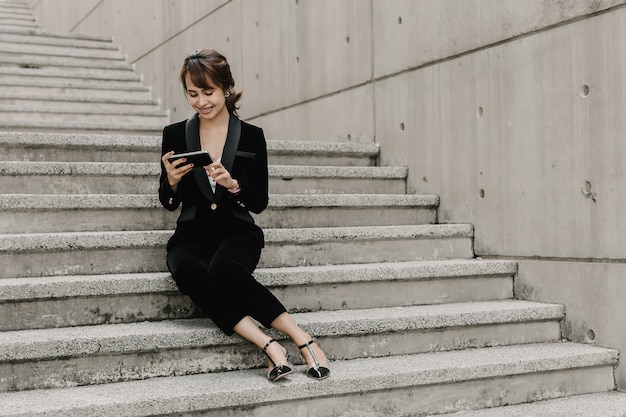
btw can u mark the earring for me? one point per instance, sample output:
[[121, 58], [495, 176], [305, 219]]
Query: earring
[[227, 94]]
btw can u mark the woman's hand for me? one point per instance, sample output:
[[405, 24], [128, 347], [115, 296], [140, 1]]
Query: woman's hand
[[221, 176], [176, 170]]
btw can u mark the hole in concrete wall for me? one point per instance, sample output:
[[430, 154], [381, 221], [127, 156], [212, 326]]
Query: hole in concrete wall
[[584, 90], [348, 40], [590, 336], [298, 59], [399, 20], [481, 193], [349, 137], [480, 111], [227, 39], [402, 126]]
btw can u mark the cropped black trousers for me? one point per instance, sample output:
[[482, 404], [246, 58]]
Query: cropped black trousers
[[217, 276]]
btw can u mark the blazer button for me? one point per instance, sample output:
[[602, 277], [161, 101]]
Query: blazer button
[[213, 206]]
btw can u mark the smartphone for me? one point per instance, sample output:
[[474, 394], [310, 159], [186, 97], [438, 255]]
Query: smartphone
[[197, 158]]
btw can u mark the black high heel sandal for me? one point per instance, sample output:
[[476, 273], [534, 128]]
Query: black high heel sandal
[[317, 371], [279, 371]]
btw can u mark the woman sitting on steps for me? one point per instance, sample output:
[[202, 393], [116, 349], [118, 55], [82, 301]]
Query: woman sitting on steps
[[216, 245]]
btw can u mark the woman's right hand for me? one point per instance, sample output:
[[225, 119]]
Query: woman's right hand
[[176, 170]]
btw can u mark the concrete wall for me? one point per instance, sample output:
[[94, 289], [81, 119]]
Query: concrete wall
[[512, 111]]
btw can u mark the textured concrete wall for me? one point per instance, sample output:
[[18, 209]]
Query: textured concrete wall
[[512, 111]]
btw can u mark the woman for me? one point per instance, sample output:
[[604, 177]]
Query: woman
[[216, 245]]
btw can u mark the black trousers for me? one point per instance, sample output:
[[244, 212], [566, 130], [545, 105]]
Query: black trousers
[[218, 278]]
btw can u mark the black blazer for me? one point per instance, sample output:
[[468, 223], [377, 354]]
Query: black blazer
[[244, 156]]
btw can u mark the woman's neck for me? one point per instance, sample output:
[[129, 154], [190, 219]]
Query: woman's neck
[[213, 135]]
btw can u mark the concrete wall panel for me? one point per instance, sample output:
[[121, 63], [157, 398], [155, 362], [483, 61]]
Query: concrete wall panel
[[142, 25], [427, 120], [297, 51], [411, 33], [594, 307], [516, 123], [353, 123], [63, 15]]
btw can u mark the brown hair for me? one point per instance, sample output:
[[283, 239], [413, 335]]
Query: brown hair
[[207, 67]]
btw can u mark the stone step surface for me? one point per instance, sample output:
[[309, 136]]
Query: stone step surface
[[69, 91], [429, 383], [93, 354], [29, 146], [55, 50], [49, 213], [55, 34], [16, 82], [30, 37], [77, 116], [78, 253], [68, 300], [17, 177], [92, 76], [604, 404], [26, 60], [93, 79]]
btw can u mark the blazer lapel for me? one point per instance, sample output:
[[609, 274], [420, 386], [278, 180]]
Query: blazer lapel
[[192, 139], [230, 147]]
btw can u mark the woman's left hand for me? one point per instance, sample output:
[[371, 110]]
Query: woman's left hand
[[221, 175]]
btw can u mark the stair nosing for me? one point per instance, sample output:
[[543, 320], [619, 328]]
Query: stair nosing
[[37, 242], [240, 388], [113, 339], [47, 202], [67, 286]]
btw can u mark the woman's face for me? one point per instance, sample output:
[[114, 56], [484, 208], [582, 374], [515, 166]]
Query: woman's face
[[209, 103]]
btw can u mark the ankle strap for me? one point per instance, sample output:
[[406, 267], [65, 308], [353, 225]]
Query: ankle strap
[[269, 342], [307, 344]]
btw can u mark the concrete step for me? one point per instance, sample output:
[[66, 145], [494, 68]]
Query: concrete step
[[80, 126], [27, 61], [47, 39], [56, 34], [9, 10], [106, 97], [65, 301], [418, 384], [297, 179], [69, 88], [17, 14], [20, 115], [111, 353], [605, 404], [29, 146], [18, 177], [94, 253], [326, 210], [65, 51], [18, 22], [15, 82], [92, 76], [46, 213], [322, 153], [14, 5]]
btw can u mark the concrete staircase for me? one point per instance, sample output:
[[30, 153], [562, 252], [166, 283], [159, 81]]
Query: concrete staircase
[[92, 325]]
